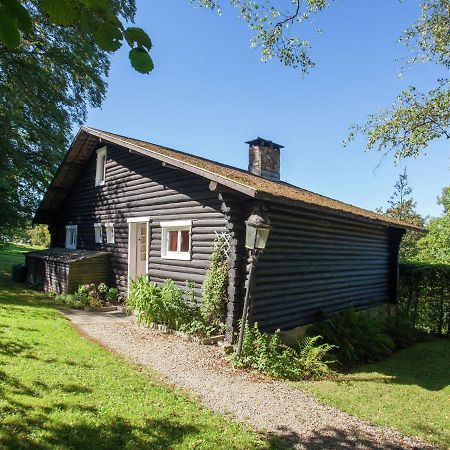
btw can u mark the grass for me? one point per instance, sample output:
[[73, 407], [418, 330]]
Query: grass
[[408, 392], [60, 390]]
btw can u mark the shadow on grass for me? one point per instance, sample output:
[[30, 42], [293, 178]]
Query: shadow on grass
[[426, 364], [117, 433], [26, 425], [18, 430]]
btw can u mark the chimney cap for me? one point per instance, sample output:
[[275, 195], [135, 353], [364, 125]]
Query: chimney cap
[[264, 143]]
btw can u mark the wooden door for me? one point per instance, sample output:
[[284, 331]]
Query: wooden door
[[141, 249]]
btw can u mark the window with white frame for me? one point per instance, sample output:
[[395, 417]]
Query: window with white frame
[[98, 232], [176, 239], [71, 236], [101, 167], [109, 227]]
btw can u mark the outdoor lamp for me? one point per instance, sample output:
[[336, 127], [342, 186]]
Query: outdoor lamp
[[256, 232]]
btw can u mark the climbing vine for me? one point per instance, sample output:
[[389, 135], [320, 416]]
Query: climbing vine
[[214, 288]]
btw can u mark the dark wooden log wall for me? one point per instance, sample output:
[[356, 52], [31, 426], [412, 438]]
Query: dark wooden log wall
[[64, 277], [53, 275], [88, 270], [135, 186], [316, 263]]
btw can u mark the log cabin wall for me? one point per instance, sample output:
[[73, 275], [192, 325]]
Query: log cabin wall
[[135, 186], [317, 263]]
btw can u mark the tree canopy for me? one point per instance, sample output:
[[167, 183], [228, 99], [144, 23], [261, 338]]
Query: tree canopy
[[46, 84], [98, 20], [54, 58], [434, 247]]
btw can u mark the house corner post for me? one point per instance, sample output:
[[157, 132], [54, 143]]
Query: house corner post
[[395, 237], [234, 211]]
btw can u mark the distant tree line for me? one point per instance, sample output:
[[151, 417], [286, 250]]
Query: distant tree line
[[430, 247]]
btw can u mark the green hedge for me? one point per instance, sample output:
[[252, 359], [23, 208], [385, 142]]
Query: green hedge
[[424, 295]]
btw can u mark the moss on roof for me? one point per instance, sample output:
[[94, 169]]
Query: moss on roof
[[274, 190]]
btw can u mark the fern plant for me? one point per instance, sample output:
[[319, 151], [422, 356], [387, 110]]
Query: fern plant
[[313, 358], [358, 337], [268, 354]]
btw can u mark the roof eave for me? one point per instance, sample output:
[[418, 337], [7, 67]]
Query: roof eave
[[264, 196]]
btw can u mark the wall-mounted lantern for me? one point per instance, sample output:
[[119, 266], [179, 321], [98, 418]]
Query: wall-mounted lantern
[[257, 229]]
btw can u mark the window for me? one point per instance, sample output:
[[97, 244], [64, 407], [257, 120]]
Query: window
[[109, 233], [98, 231], [176, 239], [71, 236], [101, 167]]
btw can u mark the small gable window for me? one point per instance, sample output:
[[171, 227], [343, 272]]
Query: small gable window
[[71, 236], [109, 233], [176, 239], [101, 167], [98, 231]]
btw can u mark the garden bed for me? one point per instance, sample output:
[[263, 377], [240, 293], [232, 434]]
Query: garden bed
[[203, 340], [106, 308]]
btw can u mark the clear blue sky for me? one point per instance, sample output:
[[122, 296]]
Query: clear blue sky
[[209, 93]]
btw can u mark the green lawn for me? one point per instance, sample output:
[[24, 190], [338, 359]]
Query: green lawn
[[409, 392], [59, 390]]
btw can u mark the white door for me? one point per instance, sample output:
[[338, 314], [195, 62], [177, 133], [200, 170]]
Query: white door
[[141, 249], [137, 249]]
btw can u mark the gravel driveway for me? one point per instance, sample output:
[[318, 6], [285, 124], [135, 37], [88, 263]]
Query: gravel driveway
[[266, 405]]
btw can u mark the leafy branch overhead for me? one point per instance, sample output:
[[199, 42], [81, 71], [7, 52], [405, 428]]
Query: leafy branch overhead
[[416, 118], [98, 19], [272, 27]]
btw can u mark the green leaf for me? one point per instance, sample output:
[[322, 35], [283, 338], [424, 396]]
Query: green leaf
[[17, 12], [138, 36], [9, 31], [141, 60], [96, 5], [108, 37], [60, 12]]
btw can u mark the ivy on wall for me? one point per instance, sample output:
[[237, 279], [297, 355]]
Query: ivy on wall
[[214, 288]]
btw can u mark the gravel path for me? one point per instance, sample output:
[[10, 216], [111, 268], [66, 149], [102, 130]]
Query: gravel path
[[266, 405]]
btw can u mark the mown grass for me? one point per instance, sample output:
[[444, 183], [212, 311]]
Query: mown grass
[[60, 390], [409, 392]]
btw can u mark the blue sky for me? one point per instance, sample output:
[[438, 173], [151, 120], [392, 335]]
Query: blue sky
[[209, 93]]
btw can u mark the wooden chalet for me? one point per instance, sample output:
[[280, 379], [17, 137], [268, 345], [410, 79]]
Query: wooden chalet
[[157, 211]]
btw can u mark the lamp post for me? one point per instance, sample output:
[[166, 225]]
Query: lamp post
[[257, 229]]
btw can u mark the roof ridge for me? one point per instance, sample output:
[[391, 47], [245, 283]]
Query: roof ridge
[[233, 177]]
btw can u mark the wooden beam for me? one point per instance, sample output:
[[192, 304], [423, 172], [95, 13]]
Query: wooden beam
[[169, 166], [214, 186]]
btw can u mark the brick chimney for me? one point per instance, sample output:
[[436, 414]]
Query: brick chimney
[[264, 158]]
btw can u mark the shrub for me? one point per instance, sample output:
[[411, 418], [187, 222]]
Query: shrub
[[102, 288], [113, 294], [176, 311], [75, 301], [84, 289], [269, 355], [96, 294], [164, 305], [357, 337], [145, 299], [198, 327], [403, 331], [424, 296]]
